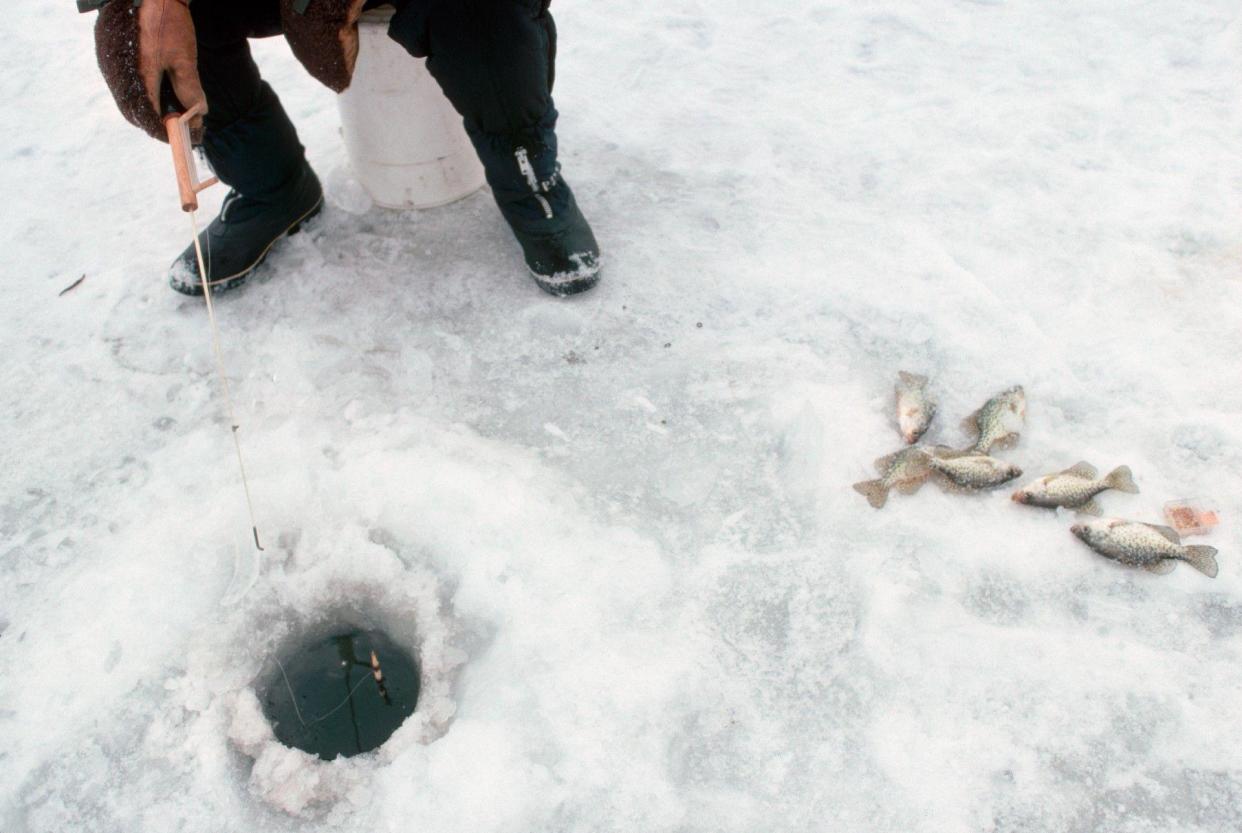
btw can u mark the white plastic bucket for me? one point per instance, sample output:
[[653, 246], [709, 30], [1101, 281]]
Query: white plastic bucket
[[405, 141]]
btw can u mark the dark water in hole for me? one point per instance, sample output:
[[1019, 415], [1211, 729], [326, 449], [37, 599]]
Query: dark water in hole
[[343, 710]]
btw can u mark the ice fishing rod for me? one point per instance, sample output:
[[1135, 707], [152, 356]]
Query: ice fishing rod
[[177, 125]]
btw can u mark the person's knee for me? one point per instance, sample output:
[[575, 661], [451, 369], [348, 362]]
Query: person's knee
[[408, 26], [493, 58]]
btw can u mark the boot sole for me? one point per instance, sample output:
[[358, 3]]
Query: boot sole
[[569, 286], [238, 278], [566, 288]]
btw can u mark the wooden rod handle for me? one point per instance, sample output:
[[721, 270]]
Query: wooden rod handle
[[188, 186]]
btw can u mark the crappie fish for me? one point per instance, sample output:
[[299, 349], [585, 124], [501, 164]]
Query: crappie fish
[[972, 471], [1076, 488], [999, 420], [1154, 548], [915, 408], [904, 471]]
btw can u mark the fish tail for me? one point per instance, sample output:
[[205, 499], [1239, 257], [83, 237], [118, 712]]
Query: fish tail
[[874, 490], [1121, 479], [1202, 559], [913, 380]]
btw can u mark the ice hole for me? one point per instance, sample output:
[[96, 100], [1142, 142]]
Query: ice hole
[[341, 694]]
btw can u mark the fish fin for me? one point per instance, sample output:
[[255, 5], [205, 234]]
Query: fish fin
[[1007, 442], [1202, 559], [924, 465], [1162, 567], [943, 452], [971, 424], [1122, 479], [1091, 507], [948, 484], [1168, 532], [909, 487], [911, 380], [882, 464], [1084, 470], [874, 491]]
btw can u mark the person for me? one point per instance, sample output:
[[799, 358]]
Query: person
[[494, 59]]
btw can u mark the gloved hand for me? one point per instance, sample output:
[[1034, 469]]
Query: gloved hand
[[324, 36], [349, 33], [166, 47]]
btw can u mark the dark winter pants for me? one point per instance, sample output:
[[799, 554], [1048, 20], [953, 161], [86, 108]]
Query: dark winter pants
[[494, 59]]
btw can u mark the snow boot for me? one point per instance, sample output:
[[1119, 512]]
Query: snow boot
[[239, 239], [556, 240], [495, 60], [536, 201]]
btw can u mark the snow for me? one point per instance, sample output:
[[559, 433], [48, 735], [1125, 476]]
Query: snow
[[626, 546]]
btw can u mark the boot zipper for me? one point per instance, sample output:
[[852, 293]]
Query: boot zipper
[[524, 166], [229, 199]]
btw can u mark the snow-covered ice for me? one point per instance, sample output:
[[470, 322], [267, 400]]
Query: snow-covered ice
[[626, 545]]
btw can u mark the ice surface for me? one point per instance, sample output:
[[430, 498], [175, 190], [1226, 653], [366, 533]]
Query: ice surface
[[645, 595]]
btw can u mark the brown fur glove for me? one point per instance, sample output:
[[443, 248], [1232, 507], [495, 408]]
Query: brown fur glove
[[137, 48], [324, 38]]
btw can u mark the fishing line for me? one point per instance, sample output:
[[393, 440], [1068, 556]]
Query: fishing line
[[185, 148], [293, 698], [224, 379]]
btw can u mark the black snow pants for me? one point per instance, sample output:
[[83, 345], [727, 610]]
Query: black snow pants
[[494, 59]]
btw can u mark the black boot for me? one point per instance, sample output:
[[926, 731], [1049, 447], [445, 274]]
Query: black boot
[[496, 62], [563, 262], [239, 239], [556, 240]]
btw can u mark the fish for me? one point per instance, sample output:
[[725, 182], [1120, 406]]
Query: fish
[[906, 471], [915, 408], [999, 421], [972, 471], [1076, 488], [1156, 549]]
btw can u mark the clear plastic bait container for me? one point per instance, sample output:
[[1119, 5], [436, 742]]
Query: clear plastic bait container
[[1194, 516]]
